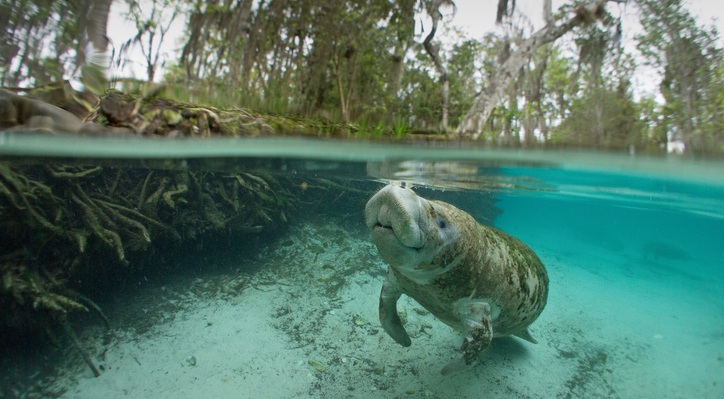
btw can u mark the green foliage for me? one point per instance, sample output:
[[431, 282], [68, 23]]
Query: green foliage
[[37, 40], [358, 62], [559, 76], [368, 129], [602, 118], [400, 126], [462, 66], [691, 62]]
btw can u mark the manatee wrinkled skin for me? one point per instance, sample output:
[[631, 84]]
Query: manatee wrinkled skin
[[473, 278]]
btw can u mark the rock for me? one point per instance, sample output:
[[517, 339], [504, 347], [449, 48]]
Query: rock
[[17, 110], [151, 115], [359, 320], [403, 313], [317, 365], [116, 110], [421, 311], [172, 117]]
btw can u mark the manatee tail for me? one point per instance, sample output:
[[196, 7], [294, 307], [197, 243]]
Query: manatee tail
[[525, 334]]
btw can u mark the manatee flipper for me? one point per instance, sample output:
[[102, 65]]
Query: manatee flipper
[[478, 335], [525, 334], [389, 318]]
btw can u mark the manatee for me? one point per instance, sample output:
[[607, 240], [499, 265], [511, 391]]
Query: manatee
[[474, 278]]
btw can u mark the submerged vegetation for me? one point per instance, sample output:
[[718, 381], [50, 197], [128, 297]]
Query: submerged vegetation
[[68, 229], [61, 222]]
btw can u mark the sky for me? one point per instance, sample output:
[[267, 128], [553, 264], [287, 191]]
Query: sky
[[475, 17], [478, 16]]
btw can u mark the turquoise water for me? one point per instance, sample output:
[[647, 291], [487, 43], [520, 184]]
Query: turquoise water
[[634, 248]]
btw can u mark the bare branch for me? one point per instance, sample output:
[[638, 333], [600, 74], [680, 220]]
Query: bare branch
[[475, 118]]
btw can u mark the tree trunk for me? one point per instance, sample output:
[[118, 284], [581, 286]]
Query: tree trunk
[[151, 71], [97, 23], [314, 86], [432, 51], [345, 98], [475, 118], [95, 67], [405, 34], [534, 112], [249, 52]]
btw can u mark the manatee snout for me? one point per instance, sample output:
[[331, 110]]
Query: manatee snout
[[395, 210]]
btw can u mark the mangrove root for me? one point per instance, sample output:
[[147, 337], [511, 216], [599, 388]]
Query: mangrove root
[[181, 188], [111, 238], [62, 172]]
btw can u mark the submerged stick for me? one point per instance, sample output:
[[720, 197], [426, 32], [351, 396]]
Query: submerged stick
[[93, 305], [76, 342]]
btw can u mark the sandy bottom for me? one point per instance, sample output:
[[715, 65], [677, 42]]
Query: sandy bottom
[[304, 324]]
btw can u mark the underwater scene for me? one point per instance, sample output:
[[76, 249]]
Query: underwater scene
[[301, 268]]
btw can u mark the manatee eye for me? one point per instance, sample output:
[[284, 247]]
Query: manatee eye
[[442, 223]]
